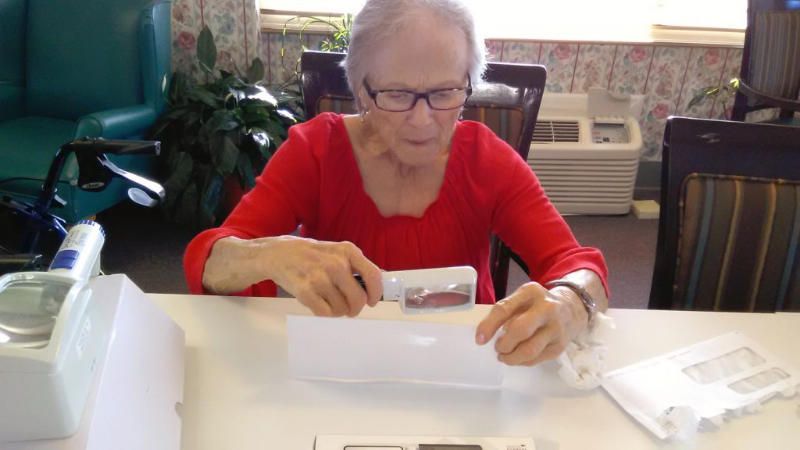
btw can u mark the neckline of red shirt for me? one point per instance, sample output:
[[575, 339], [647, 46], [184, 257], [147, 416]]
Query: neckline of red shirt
[[353, 165]]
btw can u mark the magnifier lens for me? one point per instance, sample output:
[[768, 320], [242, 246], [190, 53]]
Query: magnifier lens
[[420, 298]]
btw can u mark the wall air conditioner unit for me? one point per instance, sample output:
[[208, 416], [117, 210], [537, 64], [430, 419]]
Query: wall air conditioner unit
[[585, 151]]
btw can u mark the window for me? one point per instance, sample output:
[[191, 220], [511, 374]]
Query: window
[[691, 21], [725, 14], [312, 6]]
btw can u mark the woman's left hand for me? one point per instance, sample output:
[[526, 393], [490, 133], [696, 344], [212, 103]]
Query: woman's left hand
[[538, 324]]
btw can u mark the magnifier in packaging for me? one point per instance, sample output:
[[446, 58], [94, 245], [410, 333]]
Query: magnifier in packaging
[[422, 291]]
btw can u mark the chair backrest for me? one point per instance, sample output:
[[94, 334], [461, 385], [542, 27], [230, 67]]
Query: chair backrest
[[12, 41], [771, 57], [83, 56], [730, 217], [507, 101], [12, 61]]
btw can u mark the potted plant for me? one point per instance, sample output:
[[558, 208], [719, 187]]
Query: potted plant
[[216, 137], [722, 93], [336, 31]]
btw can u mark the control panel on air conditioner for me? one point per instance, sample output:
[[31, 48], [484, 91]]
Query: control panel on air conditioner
[[610, 133]]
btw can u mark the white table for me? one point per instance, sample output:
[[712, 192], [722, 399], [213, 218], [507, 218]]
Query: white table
[[238, 395]]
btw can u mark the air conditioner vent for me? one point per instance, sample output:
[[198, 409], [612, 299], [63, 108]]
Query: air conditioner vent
[[556, 131]]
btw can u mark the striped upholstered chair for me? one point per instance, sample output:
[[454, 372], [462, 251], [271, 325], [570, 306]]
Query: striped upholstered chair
[[729, 231], [770, 74], [507, 102]]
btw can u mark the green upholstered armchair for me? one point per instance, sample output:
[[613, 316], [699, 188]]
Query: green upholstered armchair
[[76, 68]]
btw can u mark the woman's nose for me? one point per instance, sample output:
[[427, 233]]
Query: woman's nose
[[421, 113]]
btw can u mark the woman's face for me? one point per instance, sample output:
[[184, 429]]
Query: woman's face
[[423, 57]]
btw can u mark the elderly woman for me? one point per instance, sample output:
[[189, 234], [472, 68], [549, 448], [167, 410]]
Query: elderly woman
[[405, 185]]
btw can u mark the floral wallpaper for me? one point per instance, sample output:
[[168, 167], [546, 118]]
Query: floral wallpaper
[[235, 26], [669, 76]]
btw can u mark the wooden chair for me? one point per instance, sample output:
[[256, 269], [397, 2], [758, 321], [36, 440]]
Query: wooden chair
[[770, 73], [729, 230], [507, 102]]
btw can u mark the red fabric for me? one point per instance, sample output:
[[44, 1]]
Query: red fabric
[[314, 181]]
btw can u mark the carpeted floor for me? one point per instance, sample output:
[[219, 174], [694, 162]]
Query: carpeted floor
[[140, 244]]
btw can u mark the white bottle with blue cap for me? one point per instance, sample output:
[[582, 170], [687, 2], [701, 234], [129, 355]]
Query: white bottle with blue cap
[[79, 255]]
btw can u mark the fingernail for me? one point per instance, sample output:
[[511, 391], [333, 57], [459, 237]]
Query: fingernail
[[480, 339]]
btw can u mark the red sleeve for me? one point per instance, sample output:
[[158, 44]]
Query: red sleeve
[[527, 222], [285, 195]]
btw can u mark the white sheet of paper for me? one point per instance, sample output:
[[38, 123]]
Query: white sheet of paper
[[366, 350], [702, 377]]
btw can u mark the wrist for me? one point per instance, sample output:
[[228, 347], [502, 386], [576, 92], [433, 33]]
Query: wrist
[[570, 299], [233, 265], [580, 298]]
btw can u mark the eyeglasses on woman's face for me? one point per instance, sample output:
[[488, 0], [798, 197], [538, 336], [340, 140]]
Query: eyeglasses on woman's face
[[400, 100]]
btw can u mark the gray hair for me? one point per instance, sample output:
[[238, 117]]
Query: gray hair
[[379, 20]]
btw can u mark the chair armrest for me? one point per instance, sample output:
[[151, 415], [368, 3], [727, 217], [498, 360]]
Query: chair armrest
[[10, 101], [117, 123], [760, 98]]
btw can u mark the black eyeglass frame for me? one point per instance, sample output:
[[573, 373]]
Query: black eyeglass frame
[[373, 94]]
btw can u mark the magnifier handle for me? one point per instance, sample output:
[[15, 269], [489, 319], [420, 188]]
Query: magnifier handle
[[360, 280]]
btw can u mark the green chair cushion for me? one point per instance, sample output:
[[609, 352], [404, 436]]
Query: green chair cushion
[[29, 144]]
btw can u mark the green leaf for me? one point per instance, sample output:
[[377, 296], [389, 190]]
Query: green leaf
[[209, 203], [226, 156], [261, 140], [256, 71], [286, 114], [256, 94], [204, 96], [181, 168], [206, 49], [254, 114], [276, 130], [244, 167], [177, 88], [696, 100], [222, 120], [186, 211]]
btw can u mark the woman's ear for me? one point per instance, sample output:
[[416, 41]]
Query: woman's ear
[[362, 100]]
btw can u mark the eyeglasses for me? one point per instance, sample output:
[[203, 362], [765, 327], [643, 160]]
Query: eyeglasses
[[400, 100]]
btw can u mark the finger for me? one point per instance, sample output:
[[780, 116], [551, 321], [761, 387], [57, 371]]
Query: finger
[[528, 350], [317, 304], [501, 312], [370, 274], [354, 295], [519, 329], [332, 296], [552, 351]]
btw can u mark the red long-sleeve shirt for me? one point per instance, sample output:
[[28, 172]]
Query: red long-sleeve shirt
[[314, 181]]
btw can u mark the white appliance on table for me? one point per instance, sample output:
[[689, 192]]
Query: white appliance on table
[[86, 361]]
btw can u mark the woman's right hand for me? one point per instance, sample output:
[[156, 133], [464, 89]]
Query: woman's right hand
[[318, 273]]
